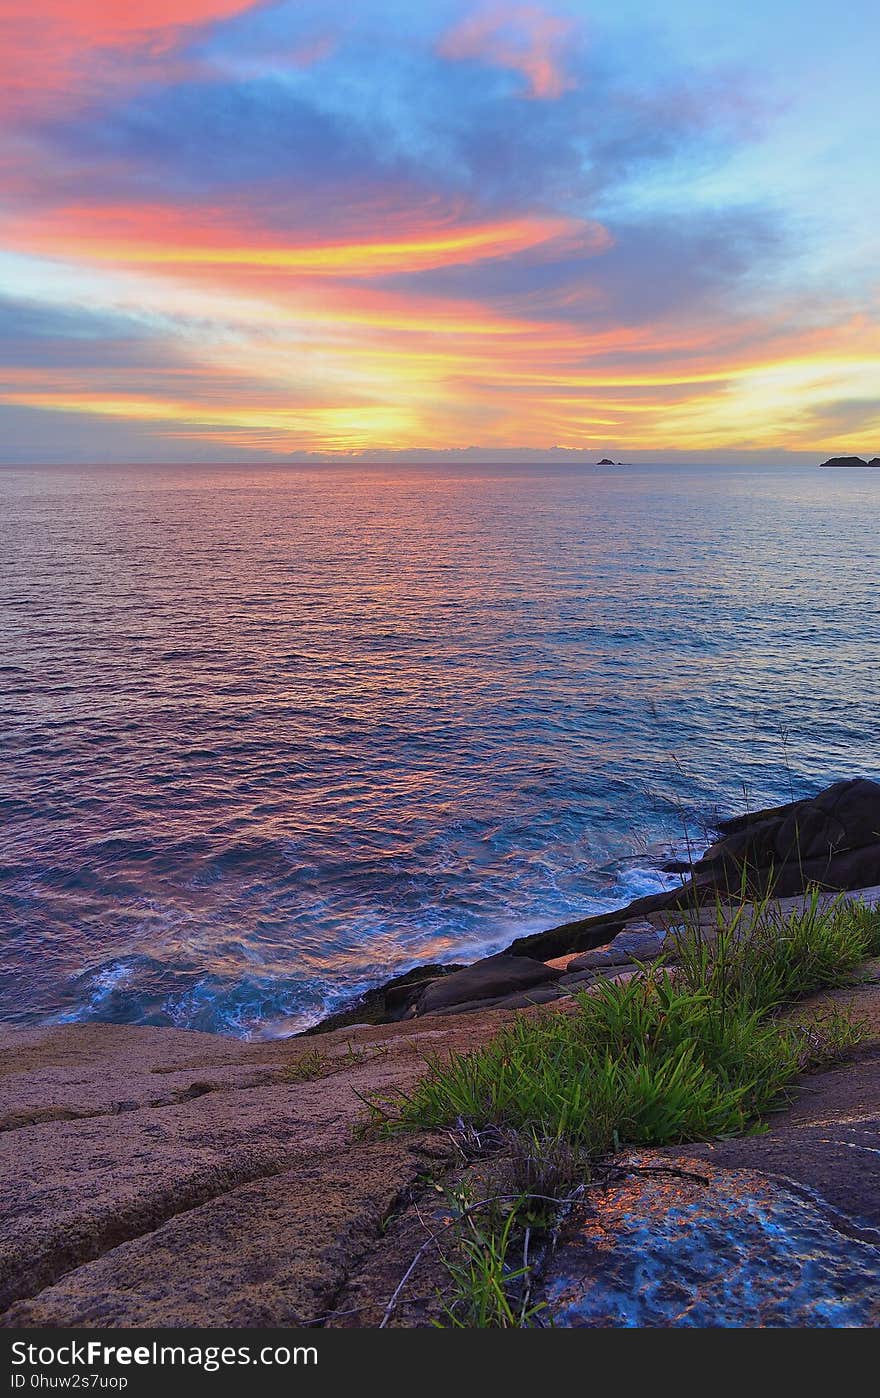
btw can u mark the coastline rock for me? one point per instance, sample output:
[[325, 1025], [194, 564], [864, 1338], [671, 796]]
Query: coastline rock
[[388, 1002], [492, 979], [634, 943], [129, 1201], [831, 840]]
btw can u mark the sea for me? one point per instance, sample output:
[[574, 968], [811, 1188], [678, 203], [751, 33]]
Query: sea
[[270, 735]]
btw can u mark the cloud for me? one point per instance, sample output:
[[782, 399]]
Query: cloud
[[283, 227], [523, 38], [365, 139], [854, 422], [145, 235], [50, 48]]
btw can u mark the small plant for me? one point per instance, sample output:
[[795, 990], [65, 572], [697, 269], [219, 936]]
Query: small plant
[[354, 1056], [542, 1167], [315, 1064], [826, 1037], [305, 1068], [488, 1291], [758, 958]]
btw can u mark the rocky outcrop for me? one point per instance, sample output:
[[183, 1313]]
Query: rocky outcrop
[[639, 942], [493, 978], [389, 1001], [850, 461], [831, 841]]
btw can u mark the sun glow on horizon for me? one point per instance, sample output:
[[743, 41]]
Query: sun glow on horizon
[[446, 245]]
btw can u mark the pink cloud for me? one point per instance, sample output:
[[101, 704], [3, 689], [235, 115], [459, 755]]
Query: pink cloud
[[523, 38], [51, 47]]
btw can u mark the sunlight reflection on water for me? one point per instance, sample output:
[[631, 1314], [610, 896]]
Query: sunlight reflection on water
[[271, 735]]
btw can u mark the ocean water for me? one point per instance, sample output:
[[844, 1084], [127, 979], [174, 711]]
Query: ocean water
[[271, 735]]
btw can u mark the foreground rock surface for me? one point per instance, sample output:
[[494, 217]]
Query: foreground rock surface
[[154, 1177]]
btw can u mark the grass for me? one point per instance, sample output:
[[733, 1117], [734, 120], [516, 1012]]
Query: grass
[[495, 1294], [681, 1053], [315, 1064], [305, 1068], [762, 960], [689, 1051]]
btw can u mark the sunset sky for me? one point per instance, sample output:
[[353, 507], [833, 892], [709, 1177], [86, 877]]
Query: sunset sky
[[234, 230]]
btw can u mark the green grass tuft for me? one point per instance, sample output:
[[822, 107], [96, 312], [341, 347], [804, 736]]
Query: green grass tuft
[[682, 1053], [756, 958], [487, 1292], [306, 1068]]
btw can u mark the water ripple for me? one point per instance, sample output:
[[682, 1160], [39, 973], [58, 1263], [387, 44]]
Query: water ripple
[[269, 736]]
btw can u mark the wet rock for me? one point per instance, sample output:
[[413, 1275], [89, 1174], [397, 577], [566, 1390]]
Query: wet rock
[[827, 833], [579, 978], [729, 1249], [389, 1002]]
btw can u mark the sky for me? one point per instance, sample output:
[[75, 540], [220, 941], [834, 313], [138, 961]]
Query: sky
[[263, 231]]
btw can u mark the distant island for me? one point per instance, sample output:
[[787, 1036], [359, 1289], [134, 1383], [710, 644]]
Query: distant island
[[606, 461], [843, 461]]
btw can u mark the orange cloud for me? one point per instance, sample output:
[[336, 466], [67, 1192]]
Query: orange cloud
[[355, 383], [158, 235], [299, 345], [523, 38]]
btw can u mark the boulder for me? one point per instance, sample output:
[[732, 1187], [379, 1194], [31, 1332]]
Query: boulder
[[638, 943], [820, 833], [493, 978], [388, 1003], [588, 933]]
